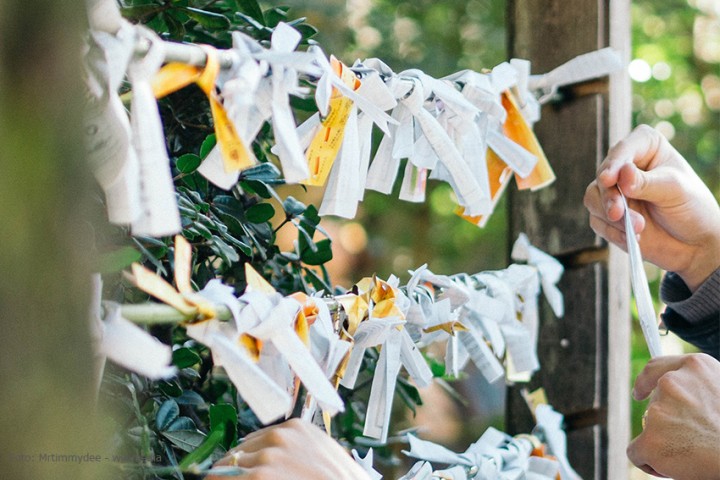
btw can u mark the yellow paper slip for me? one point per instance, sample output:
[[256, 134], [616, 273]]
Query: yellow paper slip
[[152, 284], [174, 76], [517, 130], [184, 299], [183, 262], [326, 143], [234, 153], [256, 282]]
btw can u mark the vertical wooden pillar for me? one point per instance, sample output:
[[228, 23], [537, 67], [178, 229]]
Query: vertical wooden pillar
[[575, 354]]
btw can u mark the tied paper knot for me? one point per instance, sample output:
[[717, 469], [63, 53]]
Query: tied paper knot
[[125, 343], [549, 268], [159, 214], [498, 456], [108, 135]]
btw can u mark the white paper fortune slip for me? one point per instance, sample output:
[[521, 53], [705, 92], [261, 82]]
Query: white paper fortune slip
[[643, 300]]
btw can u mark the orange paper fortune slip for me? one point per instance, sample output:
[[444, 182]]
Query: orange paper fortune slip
[[172, 77], [175, 76], [326, 144], [517, 129], [499, 175]]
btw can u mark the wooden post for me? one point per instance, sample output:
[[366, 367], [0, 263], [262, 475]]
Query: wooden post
[[585, 377]]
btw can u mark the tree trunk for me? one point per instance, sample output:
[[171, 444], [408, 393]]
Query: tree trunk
[[46, 399]]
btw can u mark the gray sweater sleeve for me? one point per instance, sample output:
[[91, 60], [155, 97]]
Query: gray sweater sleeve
[[694, 317]]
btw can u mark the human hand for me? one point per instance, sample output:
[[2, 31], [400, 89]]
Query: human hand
[[676, 214], [294, 450], [681, 433]]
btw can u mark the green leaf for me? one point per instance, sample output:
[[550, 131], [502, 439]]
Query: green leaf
[[190, 397], [259, 213], [317, 282], [230, 206], [225, 251], [207, 145], [181, 423], [151, 257], [185, 440], [138, 11], [306, 229], [307, 31], [436, 367], [166, 414], [188, 163], [251, 8], [201, 183], [201, 230], [209, 20], [243, 247], [185, 357], [256, 187], [310, 216], [305, 104], [273, 16], [409, 394], [118, 259], [305, 239], [264, 172], [294, 207], [260, 27], [205, 449], [171, 389], [322, 255], [224, 416], [176, 29]]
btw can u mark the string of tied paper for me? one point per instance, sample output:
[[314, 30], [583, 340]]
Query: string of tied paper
[[472, 130], [498, 456], [272, 344], [541, 455]]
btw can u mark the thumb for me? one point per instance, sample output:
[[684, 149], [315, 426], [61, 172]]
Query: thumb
[[647, 380], [658, 186]]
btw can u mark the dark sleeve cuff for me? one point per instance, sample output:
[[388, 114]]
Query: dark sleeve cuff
[[693, 307], [694, 317]]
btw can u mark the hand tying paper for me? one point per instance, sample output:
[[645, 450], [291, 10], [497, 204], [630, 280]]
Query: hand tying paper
[[675, 214], [294, 450]]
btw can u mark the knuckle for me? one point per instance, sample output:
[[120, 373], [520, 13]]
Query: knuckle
[[266, 456], [669, 382], [696, 361], [653, 410], [276, 437], [295, 423], [645, 129]]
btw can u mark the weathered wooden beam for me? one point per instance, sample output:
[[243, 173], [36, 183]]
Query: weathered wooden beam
[[575, 131]]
